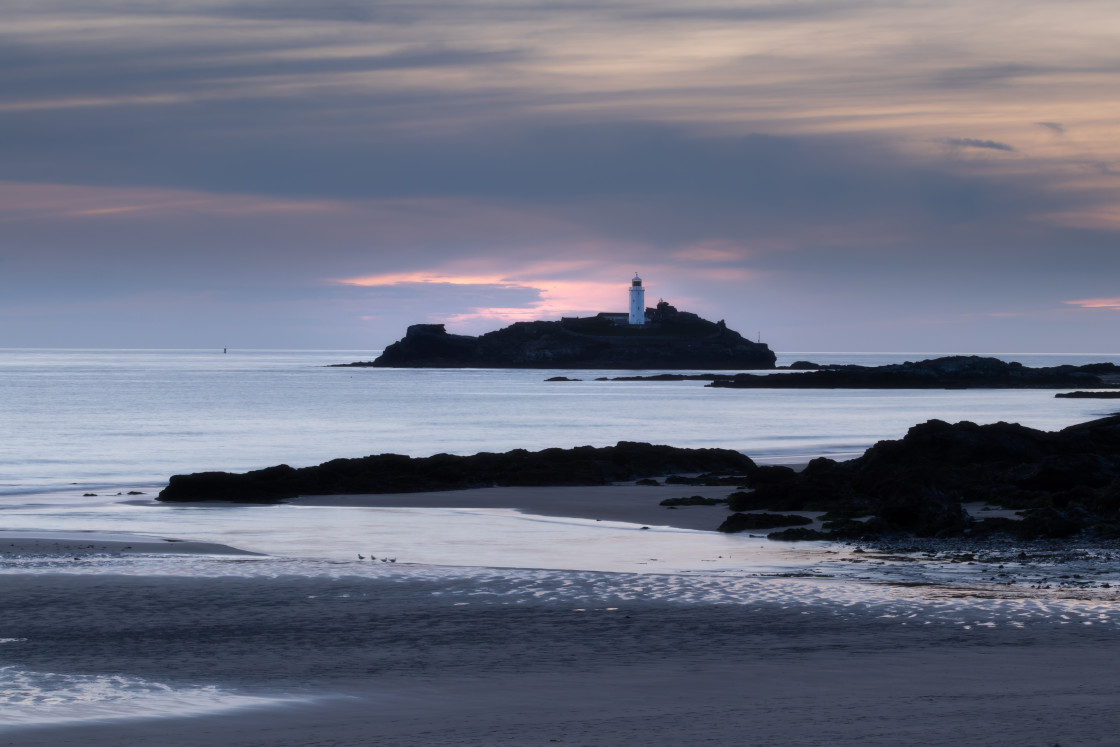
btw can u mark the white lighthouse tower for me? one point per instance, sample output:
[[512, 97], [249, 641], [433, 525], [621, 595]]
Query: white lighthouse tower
[[637, 301]]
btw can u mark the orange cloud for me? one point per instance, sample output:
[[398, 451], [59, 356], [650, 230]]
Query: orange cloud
[[1097, 303]]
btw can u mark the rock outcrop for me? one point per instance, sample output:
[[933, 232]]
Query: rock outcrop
[[1062, 483], [671, 339], [950, 372], [394, 473]]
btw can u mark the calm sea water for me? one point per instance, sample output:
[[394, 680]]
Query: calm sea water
[[99, 419]]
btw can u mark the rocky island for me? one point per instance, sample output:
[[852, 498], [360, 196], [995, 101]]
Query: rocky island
[[671, 339], [658, 337]]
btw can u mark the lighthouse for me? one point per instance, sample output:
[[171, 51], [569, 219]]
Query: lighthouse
[[637, 301]]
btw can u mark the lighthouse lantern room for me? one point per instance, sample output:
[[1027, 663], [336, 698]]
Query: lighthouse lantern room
[[637, 301]]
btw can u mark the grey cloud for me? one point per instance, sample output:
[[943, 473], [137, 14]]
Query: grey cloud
[[350, 11], [974, 76], [29, 75], [1057, 127], [968, 142], [633, 179], [405, 13], [772, 11]]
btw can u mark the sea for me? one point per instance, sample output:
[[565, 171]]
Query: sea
[[89, 437], [97, 420]]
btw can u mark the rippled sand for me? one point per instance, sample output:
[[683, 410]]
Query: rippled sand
[[760, 644]]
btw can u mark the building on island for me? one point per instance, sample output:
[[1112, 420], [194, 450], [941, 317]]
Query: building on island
[[637, 301], [637, 313]]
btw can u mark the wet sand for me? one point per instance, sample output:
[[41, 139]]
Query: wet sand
[[636, 504], [81, 544], [405, 656], [382, 662]]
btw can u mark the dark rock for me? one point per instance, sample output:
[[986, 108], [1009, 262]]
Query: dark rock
[[394, 473], [799, 534], [562, 378], [667, 377], [753, 500], [670, 340], [1088, 395], [693, 500], [770, 474], [647, 481], [1067, 482], [951, 372], [740, 522]]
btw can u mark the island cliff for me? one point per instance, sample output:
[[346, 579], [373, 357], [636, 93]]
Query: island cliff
[[670, 339]]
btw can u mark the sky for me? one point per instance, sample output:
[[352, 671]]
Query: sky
[[825, 175]]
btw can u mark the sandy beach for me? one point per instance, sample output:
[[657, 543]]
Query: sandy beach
[[430, 656], [636, 504]]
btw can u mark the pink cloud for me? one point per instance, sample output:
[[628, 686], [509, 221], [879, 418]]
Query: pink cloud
[[1096, 303]]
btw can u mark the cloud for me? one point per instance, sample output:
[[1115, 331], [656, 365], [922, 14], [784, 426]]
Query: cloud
[[713, 250], [542, 290], [968, 142], [984, 75], [797, 166], [1097, 303]]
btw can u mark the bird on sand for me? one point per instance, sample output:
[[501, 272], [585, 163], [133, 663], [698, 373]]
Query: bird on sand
[[361, 557]]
